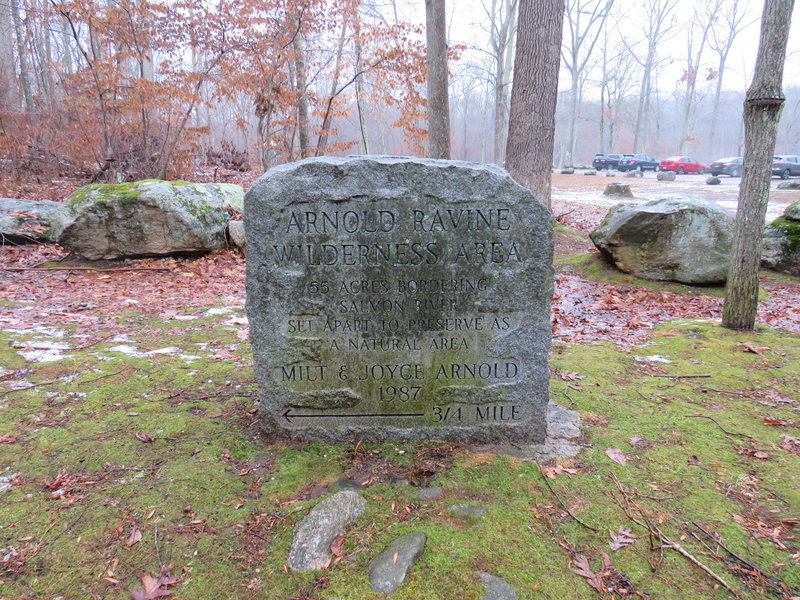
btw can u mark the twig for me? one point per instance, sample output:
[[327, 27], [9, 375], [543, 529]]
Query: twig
[[158, 551], [35, 385], [190, 437], [683, 376], [702, 388], [725, 431], [569, 212], [94, 343], [564, 506], [719, 543], [104, 376], [114, 270], [666, 543]]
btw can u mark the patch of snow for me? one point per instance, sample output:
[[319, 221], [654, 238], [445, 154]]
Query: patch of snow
[[653, 358], [219, 311], [5, 481], [185, 317], [49, 355]]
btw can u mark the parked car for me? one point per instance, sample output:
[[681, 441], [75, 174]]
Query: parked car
[[682, 164], [638, 162], [727, 166], [784, 165], [603, 160]]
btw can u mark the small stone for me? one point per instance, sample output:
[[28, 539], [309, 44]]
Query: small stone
[[789, 185], [468, 510], [388, 569], [666, 176], [343, 483], [398, 481], [567, 171], [496, 588], [590, 173], [635, 173], [429, 493], [713, 180], [236, 234], [618, 189], [328, 520]]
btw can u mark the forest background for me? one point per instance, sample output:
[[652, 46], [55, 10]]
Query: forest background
[[118, 90]]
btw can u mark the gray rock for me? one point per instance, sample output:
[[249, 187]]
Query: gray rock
[[237, 235], [590, 173], [780, 248], [468, 510], [343, 483], [496, 588], [635, 173], [618, 189], [388, 569], [789, 185], [399, 298], [145, 218], [666, 176], [610, 174], [713, 180], [23, 221], [792, 211], [429, 493], [567, 171], [675, 239], [314, 535]]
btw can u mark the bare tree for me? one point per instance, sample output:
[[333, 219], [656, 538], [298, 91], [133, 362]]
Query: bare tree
[[502, 16], [616, 81], [762, 113], [658, 27], [585, 20], [7, 76], [725, 27], [438, 101], [697, 36], [531, 124], [22, 58]]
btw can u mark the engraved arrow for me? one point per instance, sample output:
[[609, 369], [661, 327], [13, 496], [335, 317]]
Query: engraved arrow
[[288, 415]]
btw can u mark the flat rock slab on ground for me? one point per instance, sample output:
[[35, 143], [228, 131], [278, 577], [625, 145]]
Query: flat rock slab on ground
[[388, 569], [496, 588], [328, 520], [24, 221], [468, 510], [429, 493]]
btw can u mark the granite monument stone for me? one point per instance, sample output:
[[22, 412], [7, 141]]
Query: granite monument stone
[[399, 298]]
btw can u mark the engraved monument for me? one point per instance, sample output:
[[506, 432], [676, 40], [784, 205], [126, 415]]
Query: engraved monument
[[399, 298]]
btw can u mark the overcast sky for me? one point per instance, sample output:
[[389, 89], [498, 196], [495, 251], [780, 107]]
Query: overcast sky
[[467, 18]]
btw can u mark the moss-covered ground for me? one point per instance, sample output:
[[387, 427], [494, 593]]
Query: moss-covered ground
[[141, 453]]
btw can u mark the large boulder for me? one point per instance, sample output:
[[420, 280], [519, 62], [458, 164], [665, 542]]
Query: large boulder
[[666, 176], [675, 239], [780, 250], [23, 221], [146, 218]]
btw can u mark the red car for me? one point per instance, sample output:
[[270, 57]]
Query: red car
[[682, 164]]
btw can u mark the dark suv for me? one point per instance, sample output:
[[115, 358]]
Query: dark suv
[[603, 160], [638, 162]]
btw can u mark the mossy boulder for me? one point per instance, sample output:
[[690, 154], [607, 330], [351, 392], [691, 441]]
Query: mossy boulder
[[780, 250], [146, 218], [681, 239], [23, 221]]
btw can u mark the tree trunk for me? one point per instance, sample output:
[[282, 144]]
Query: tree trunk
[[438, 101], [322, 141], [531, 127], [8, 98], [362, 114], [762, 111], [22, 55], [302, 90]]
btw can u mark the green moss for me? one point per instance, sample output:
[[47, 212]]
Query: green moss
[[792, 231], [223, 504]]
